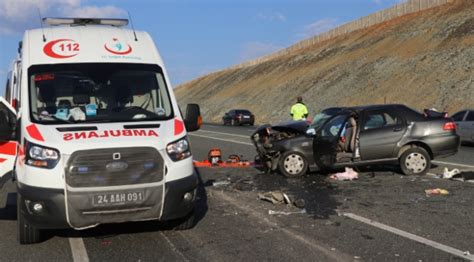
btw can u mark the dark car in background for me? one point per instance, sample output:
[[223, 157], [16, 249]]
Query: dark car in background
[[238, 117], [465, 125], [357, 136]]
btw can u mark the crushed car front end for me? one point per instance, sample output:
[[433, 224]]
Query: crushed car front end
[[271, 142]]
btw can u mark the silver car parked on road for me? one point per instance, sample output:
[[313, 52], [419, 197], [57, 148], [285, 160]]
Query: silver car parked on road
[[465, 125]]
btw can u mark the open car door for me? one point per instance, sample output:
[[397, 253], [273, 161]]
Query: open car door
[[326, 141], [8, 144]]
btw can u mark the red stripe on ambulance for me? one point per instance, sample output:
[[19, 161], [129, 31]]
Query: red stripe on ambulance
[[34, 132], [8, 148]]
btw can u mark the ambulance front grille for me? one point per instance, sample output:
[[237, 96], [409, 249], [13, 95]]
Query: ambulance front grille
[[114, 167]]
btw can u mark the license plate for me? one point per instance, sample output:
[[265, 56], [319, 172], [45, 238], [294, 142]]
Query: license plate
[[246, 116], [118, 198]]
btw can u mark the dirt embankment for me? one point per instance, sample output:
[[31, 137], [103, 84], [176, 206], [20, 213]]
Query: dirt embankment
[[424, 59]]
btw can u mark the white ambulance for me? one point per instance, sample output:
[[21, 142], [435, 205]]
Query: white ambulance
[[91, 130]]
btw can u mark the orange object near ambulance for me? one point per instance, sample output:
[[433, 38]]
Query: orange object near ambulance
[[91, 131]]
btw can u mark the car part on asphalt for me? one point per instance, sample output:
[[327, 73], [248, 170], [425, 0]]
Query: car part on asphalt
[[447, 174], [221, 183], [347, 175], [436, 191], [285, 213]]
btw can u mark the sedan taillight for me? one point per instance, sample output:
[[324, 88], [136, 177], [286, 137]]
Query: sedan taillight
[[448, 126]]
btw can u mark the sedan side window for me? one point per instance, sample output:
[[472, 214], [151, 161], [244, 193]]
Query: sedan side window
[[470, 116], [458, 116], [380, 119]]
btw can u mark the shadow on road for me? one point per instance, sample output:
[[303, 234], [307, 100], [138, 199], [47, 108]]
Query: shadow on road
[[8, 207]]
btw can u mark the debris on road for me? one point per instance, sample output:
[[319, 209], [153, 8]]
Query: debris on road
[[278, 197], [456, 174], [299, 203], [349, 174], [436, 191], [450, 174], [273, 212], [221, 183], [275, 197]]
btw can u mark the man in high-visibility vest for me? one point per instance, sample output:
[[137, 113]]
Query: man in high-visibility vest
[[299, 110]]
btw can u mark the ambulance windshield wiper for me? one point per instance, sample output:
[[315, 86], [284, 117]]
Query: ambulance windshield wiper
[[52, 117]]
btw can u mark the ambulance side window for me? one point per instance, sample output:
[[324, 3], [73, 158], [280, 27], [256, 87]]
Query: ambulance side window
[[7, 90]]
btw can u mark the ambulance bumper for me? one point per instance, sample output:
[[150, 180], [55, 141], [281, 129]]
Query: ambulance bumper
[[178, 202]]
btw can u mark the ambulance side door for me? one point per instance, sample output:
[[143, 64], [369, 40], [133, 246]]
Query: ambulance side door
[[8, 143]]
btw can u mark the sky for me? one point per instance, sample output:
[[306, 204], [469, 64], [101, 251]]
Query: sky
[[194, 37]]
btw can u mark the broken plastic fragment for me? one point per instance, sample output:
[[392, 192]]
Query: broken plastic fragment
[[349, 174], [273, 212], [449, 174], [436, 191]]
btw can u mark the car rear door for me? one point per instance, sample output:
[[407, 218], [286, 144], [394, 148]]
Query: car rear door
[[468, 126], [8, 148], [325, 143], [458, 119], [380, 131]]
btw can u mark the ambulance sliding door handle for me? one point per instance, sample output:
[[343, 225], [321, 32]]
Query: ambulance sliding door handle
[[397, 129]]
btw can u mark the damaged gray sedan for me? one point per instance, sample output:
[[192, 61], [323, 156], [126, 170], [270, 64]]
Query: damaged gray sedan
[[357, 136]]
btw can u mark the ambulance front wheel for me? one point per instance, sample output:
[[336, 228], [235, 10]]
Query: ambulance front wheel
[[27, 233]]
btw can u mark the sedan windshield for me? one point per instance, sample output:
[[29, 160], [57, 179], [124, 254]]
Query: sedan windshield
[[106, 92], [320, 118]]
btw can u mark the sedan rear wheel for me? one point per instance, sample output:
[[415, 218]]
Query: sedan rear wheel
[[415, 161], [293, 164]]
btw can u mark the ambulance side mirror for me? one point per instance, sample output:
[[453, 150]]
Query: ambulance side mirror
[[193, 119], [7, 126]]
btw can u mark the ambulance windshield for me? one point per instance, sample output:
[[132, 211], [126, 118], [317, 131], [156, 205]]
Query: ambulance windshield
[[98, 92]]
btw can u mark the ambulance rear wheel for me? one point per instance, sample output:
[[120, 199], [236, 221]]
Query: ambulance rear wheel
[[27, 233]]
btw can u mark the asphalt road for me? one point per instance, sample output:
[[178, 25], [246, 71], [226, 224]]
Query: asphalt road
[[383, 216]]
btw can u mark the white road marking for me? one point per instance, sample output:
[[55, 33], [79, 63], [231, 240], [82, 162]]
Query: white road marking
[[78, 250], [222, 133], [173, 247], [222, 139], [329, 255], [452, 164], [447, 249]]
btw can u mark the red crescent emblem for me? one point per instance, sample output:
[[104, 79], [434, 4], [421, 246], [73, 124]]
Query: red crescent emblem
[[128, 51], [48, 49]]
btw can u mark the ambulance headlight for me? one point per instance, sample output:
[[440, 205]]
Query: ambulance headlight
[[40, 156], [178, 150]]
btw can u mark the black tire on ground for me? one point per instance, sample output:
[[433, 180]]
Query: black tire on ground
[[415, 161], [27, 234], [252, 123], [187, 222], [293, 164]]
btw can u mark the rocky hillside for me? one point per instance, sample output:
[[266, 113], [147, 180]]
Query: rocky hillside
[[424, 59]]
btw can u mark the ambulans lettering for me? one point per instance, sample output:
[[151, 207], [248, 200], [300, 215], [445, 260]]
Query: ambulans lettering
[[108, 133], [61, 48], [117, 48]]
